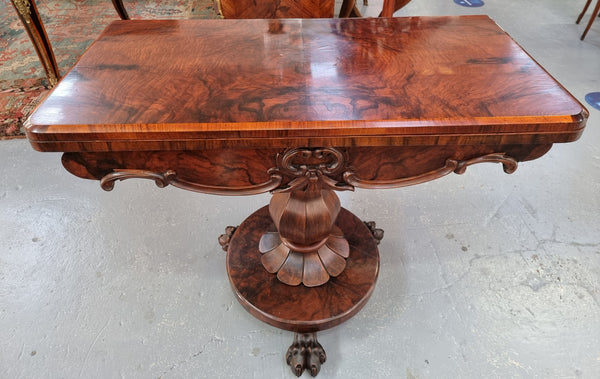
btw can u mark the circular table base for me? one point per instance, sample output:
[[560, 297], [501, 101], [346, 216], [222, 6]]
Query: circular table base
[[299, 308]]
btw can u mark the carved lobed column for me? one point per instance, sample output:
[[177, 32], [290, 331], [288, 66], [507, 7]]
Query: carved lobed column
[[307, 247]]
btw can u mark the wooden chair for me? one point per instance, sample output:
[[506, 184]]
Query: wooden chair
[[120, 8], [389, 7], [286, 8], [298, 8], [594, 16], [241, 9], [30, 18], [268, 9]]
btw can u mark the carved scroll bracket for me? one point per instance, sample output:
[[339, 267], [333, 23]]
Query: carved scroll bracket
[[351, 178], [305, 166], [170, 177], [509, 164], [459, 167]]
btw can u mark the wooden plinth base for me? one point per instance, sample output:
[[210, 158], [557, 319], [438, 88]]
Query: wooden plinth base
[[299, 308]]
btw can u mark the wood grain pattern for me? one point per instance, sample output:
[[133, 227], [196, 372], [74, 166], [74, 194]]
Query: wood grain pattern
[[210, 167], [250, 167], [199, 84], [302, 309]]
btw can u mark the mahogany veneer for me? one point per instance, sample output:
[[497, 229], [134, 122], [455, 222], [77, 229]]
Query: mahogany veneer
[[302, 108], [300, 308]]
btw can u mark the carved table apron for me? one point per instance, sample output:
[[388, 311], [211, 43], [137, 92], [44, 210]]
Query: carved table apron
[[303, 109]]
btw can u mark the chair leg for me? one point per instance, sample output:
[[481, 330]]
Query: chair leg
[[594, 15], [346, 9], [30, 17], [585, 8], [122, 12], [391, 6], [355, 12]]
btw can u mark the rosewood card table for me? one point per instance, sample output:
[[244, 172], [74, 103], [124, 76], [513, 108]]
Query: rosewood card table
[[303, 109]]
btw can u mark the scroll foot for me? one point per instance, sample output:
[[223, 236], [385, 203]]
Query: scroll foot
[[376, 232], [224, 239], [305, 353]]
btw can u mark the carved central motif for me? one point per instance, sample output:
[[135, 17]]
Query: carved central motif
[[307, 247], [300, 162]]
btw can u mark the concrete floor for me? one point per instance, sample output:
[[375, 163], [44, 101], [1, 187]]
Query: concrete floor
[[484, 275]]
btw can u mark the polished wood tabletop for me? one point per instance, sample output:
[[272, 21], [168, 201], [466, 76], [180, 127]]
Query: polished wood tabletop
[[194, 84], [302, 108]]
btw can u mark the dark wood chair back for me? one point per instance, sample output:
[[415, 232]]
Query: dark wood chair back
[[276, 8]]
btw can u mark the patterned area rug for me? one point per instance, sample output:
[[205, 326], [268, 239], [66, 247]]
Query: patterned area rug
[[72, 25]]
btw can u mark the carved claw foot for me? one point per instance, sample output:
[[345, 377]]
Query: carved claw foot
[[376, 232], [305, 353], [224, 239]]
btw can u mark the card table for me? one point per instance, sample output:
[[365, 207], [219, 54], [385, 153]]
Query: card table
[[302, 108]]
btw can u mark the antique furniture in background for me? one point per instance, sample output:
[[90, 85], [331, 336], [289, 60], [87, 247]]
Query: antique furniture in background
[[302, 108], [30, 18], [594, 15], [120, 8], [241, 9], [391, 6]]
